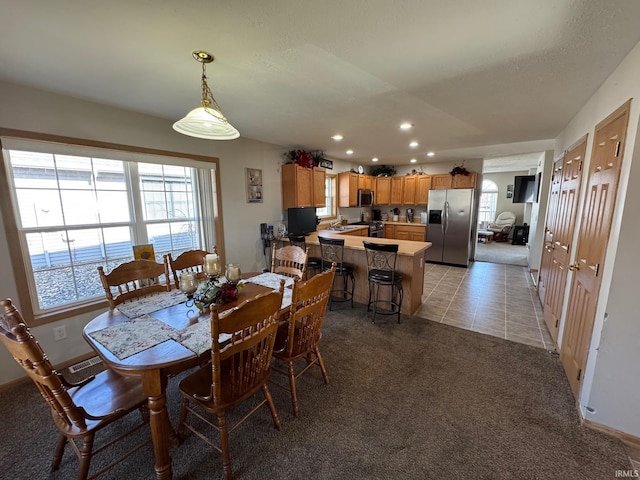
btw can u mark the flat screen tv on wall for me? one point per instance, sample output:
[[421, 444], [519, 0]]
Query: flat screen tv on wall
[[525, 189]]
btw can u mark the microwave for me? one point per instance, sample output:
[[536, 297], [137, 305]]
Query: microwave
[[365, 198]]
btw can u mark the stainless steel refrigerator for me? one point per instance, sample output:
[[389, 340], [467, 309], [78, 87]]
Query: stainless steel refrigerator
[[450, 226]]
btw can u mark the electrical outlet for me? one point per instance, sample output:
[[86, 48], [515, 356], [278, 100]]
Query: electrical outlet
[[59, 333]]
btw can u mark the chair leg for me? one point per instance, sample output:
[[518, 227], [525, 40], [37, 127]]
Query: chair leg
[[401, 295], [182, 419], [85, 457], [321, 364], [272, 407], [57, 456], [224, 447], [292, 387], [353, 287], [369, 301]]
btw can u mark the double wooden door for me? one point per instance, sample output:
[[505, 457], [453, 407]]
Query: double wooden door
[[593, 237], [561, 219]]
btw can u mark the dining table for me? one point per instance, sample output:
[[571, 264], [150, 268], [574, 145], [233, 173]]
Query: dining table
[[159, 336]]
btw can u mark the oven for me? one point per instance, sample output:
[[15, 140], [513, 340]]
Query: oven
[[376, 229]]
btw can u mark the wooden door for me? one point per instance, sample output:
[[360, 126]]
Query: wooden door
[[319, 193], [593, 237], [422, 189], [441, 181], [549, 228], [464, 181], [562, 231]]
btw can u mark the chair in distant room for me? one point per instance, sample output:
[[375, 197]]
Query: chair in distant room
[[189, 261], [290, 261], [501, 226], [314, 264], [134, 279], [82, 410], [241, 350], [333, 252], [381, 273], [299, 338]]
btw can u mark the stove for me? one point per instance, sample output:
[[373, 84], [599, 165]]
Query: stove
[[376, 229]]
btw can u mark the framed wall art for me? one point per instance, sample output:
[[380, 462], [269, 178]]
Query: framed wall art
[[254, 185]]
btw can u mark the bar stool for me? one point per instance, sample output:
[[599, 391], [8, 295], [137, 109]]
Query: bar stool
[[381, 272], [313, 263], [332, 252]]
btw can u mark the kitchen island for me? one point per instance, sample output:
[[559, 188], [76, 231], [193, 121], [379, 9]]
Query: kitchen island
[[410, 263]]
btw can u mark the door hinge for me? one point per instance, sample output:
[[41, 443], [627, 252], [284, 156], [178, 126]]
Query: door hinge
[[557, 321], [596, 269], [579, 373], [617, 149], [580, 166]]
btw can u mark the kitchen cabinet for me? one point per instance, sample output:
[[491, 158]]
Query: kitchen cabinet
[[347, 189], [446, 180], [405, 231], [423, 185], [465, 181], [439, 181], [365, 182], [389, 231], [302, 187], [409, 190], [397, 184], [383, 191]]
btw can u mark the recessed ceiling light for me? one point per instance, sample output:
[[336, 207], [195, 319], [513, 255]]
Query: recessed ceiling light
[[406, 126], [374, 159], [413, 160], [430, 154], [413, 144], [349, 152], [337, 137]]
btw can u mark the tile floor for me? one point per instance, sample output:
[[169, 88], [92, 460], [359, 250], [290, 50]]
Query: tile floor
[[489, 298]]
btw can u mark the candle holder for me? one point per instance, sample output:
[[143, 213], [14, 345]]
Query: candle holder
[[233, 273], [211, 266], [188, 285]]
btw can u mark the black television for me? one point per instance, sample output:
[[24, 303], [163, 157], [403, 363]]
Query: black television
[[301, 221], [525, 189]]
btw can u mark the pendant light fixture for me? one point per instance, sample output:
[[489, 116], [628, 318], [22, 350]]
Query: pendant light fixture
[[207, 121]]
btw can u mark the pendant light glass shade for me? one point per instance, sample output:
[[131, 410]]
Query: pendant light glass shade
[[207, 121]]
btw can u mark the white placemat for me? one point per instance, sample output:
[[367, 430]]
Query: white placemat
[[151, 303]]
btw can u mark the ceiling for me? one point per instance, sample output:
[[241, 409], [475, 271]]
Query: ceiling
[[491, 79]]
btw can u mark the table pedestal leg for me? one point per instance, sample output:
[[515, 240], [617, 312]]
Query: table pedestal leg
[[154, 384]]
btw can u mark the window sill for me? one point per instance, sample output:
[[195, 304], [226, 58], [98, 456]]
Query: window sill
[[67, 312]]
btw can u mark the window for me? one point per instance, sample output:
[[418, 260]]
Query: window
[[75, 212], [488, 202], [329, 211]]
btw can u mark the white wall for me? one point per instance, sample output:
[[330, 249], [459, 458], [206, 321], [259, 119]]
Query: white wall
[[505, 204], [539, 211], [28, 109], [611, 386]]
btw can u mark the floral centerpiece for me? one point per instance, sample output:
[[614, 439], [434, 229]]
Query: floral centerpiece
[[216, 292], [304, 158], [459, 170]]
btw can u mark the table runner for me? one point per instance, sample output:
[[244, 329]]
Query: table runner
[[134, 336], [151, 303]]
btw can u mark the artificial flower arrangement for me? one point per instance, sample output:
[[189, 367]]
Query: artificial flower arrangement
[[304, 158], [216, 292], [459, 170]]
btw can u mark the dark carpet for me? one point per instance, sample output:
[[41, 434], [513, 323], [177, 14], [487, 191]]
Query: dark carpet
[[416, 400]]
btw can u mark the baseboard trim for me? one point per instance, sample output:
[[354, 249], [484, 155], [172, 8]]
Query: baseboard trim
[[626, 438], [59, 367]]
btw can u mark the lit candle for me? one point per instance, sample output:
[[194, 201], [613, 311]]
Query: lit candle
[[211, 264]]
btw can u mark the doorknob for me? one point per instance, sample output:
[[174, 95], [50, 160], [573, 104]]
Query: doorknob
[[574, 267]]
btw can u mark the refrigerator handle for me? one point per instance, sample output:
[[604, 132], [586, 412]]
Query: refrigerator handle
[[446, 217]]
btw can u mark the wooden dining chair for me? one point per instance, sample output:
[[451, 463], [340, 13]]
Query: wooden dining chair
[[314, 264], [189, 261], [299, 338], [241, 349], [79, 410], [134, 279], [289, 260]]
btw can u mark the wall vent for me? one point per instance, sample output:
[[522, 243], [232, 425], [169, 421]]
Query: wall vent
[[85, 364]]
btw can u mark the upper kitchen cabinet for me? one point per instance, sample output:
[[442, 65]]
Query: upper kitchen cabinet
[[348, 189], [446, 180], [365, 182], [409, 190], [423, 185], [465, 181], [302, 187], [397, 185], [383, 191]]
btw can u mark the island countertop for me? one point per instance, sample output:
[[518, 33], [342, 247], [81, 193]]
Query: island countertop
[[405, 247]]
